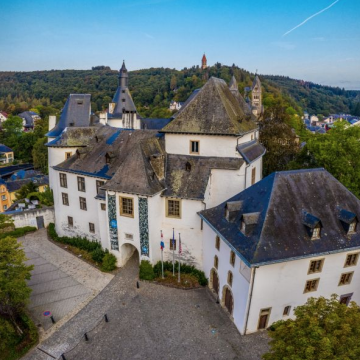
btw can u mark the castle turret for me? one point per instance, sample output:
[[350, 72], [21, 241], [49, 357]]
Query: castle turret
[[204, 62], [123, 76], [256, 97]]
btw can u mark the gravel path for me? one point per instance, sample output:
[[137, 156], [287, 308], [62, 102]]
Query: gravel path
[[153, 322]]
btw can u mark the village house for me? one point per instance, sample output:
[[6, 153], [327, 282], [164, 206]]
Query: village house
[[29, 119], [123, 185], [3, 116], [279, 242], [6, 154]]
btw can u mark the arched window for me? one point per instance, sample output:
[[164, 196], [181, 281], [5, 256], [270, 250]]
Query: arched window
[[230, 278], [217, 242]]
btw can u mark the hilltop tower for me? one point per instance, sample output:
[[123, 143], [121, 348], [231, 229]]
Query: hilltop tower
[[204, 62], [256, 97]]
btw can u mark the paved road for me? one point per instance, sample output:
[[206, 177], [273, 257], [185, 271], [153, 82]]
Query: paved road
[[153, 322], [61, 282]]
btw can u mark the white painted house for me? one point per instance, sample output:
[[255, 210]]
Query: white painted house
[[279, 242], [123, 185]]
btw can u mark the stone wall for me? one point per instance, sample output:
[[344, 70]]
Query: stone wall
[[29, 217]]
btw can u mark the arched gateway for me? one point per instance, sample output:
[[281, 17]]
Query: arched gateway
[[128, 251]]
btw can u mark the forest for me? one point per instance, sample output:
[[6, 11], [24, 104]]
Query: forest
[[154, 88]]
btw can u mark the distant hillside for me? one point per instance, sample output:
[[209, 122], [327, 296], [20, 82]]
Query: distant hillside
[[154, 88], [318, 99]]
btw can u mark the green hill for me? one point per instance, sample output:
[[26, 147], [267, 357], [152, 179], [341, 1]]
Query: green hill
[[154, 88]]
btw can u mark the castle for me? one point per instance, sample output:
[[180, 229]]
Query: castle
[[266, 245]]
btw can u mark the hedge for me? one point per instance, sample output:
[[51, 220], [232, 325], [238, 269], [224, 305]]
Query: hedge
[[18, 232], [149, 272], [106, 260]]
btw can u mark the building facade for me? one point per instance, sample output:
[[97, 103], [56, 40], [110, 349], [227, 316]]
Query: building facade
[[279, 242], [125, 187]]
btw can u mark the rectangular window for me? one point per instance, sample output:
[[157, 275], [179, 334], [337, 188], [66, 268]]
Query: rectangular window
[[315, 266], [345, 299], [126, 206], [63, 180], [99, 184], [173, 208], [232, 258], [230, 278], [351, 260], [216, 262], [67, 155], [3, 197], [311, 285], [65, 199], [70, 221], [81, 183], [172, 244], [91, 227], [286, 311], [103, 206], [194, 147], [217, 242], [345, 279], [5, 207], [82, 203], [253, 176]]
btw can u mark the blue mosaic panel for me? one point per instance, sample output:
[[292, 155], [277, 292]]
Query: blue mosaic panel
[[113, 231], [144, 226]]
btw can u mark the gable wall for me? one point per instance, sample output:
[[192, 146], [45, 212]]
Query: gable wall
[[280, 285]]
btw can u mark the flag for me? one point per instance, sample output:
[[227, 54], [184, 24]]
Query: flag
[[180, 249], [173, 239], [162, 245]]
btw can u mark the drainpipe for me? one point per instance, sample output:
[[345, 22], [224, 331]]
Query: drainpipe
[[249, 302]]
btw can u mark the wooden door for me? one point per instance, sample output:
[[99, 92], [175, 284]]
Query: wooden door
[[263, 321], [228, 300], [215, 283]]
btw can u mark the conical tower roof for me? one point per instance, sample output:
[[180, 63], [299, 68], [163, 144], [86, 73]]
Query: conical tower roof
[[233, 84], [212, 110]]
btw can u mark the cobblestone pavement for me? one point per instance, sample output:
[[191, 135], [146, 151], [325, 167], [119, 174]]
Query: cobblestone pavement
[[152, 322], [61, 282]]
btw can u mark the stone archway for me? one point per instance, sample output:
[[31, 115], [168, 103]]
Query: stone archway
[[227, 299], [214, 281], [129, 251]]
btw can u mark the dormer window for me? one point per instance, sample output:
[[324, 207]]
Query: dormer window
[[348, 220], [352, 227], [316, 233], [312, 224], [71, 124], [107, 158], [80, 102], [232, 209], [249, 222]]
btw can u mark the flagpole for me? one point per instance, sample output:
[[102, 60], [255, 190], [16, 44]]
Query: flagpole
[[179, 258], [173, 241], [162, 258]]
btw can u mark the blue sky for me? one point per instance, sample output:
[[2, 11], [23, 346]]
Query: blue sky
[[79, 34]]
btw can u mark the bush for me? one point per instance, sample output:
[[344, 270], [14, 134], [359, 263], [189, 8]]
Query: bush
[[109, 262], [94, 248], [98, 255], [146, 271], [18, 232], [185, 269]]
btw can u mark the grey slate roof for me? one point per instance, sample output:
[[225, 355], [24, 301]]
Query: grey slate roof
[[154, 124], [187, 176], [17, 184], [212, 110], [28, 117], [76, 113], [251, 151], [74, 137], [280, 233]]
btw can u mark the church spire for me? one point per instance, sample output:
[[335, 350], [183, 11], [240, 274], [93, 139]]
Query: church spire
[[123, 76]]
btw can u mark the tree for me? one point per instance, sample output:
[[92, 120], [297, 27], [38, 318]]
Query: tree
[[323, 329], [338, 151], [40, 155], [15, 293], [25, 190]]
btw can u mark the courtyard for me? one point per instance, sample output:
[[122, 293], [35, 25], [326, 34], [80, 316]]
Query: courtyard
[[149, 322]]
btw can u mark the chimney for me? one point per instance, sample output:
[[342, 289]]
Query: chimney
[[52, 122]]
